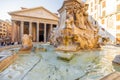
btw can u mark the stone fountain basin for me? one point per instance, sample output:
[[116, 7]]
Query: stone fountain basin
[[6, 58]]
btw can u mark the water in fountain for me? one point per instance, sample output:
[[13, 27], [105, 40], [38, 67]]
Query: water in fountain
[[85, 65]]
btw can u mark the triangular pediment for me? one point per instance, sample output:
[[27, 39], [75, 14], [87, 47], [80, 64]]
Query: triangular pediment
[[38, 12]]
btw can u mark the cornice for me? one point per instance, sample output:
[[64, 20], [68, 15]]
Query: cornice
[[33, 17]]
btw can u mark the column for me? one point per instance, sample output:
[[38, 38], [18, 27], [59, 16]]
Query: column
[[45, 32], [13, 30], [18, 29], [37, 31], [30, 28], [22, 28]]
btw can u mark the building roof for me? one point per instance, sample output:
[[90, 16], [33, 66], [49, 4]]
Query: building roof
[[34, 12]]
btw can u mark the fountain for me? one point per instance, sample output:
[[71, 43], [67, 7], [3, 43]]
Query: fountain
[[26, 44], [75, 32]]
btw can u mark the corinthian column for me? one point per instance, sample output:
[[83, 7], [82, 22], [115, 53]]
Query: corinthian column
[[13, 30], [45, 32], [30, 28], [22, 28], [37, 32]]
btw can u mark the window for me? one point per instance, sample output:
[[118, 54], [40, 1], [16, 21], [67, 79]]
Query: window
[[102, 21], [118, 37], [118, 7], [3, 24], [104, 4], [118, 34], [103, 13], [118, 17], [4, 31], [91, 4], [118, 27]]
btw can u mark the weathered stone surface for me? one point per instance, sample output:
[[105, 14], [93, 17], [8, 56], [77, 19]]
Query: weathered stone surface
[[75, 28]]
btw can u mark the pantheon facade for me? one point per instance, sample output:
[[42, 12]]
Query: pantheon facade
[[38, 22]]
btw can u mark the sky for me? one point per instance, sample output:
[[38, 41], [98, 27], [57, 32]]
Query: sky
[[13, 5]]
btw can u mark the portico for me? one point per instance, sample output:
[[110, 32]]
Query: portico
[[28, 21]]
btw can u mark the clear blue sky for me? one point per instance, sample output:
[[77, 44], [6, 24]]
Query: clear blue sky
[[13, 5]]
